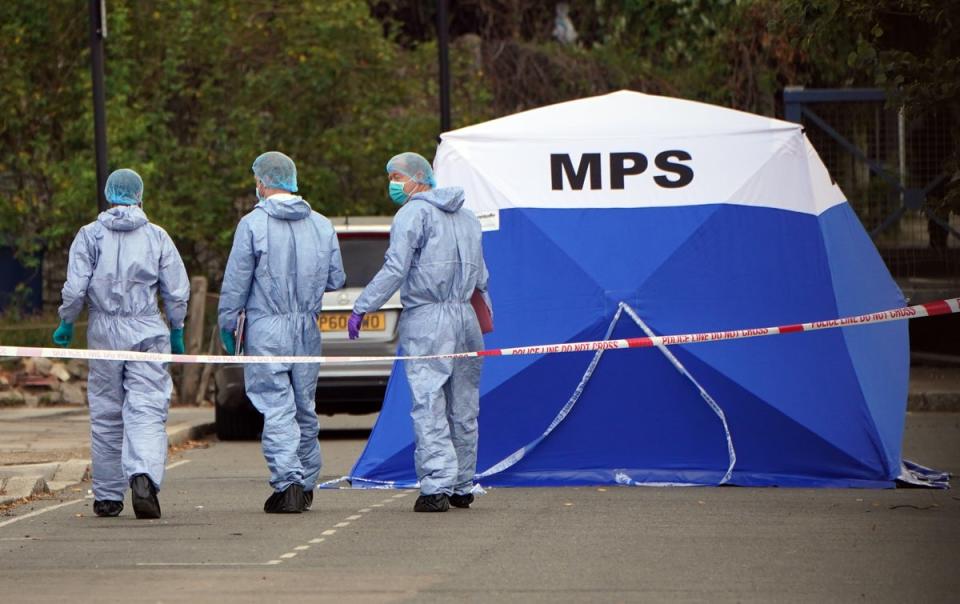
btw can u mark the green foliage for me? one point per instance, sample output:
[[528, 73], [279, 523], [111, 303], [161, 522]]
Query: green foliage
[[46, 167], [37, 330], [196, 89], [909, 47]]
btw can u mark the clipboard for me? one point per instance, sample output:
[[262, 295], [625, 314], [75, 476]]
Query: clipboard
[[483, 313], [238, 332]]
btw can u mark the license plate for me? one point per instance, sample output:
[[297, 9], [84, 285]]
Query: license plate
[[337, 321]]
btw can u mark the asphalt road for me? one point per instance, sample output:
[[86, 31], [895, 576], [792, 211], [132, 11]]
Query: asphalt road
[[542, 545]]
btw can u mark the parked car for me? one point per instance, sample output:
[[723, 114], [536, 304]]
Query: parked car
[[340, 388]]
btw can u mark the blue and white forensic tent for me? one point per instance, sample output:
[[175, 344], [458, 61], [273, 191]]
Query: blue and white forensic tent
[[608, 216]]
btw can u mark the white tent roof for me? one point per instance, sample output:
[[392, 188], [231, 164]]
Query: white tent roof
[[735, 157]]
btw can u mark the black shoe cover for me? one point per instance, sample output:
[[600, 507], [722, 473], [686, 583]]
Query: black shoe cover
[[107, 508], [461, 501], [308, 500], [432, 503], [291, 500], [144, 496]]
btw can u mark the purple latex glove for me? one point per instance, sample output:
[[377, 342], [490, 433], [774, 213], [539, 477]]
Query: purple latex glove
[[353, 325]]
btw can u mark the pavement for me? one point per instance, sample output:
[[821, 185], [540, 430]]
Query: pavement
[[934, 388], [616, 544], [45, 450]]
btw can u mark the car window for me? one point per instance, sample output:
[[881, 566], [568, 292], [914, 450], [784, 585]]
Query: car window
[[362, 258]]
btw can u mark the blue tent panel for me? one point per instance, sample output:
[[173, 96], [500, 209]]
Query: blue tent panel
[[806, 409]]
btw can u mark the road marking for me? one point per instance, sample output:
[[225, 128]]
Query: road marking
[[270, 563], [19, 539], [38, 512], [328, 532], [177, 464]]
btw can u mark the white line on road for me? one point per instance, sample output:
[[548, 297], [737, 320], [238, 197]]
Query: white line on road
[[19, 539], [177, 463], [332, 531], [270, 563], [38, 512]]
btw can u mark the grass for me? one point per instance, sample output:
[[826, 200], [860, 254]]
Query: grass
[[17, 329], [37, 330]]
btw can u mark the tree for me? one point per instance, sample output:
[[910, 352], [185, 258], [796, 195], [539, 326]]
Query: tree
[[909, 47], [195, 91]]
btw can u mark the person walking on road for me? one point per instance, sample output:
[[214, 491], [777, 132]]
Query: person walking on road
[[284, 257], [117, 265], [435, 259]]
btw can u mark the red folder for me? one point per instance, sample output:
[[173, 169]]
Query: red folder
[[483, 313]]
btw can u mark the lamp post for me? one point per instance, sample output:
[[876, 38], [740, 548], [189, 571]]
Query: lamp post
[[98, 33], [443, 46]]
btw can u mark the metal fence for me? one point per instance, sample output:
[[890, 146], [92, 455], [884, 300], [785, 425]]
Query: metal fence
[[892, 168]]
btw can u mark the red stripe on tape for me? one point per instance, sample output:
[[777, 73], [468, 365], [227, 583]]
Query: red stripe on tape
[[639, 342], [938, 308], [489, 353], [790, 328]]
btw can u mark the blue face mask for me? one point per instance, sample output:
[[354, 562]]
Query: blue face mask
[[397, 194]]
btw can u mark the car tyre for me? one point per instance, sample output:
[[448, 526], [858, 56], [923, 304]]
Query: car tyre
[[238, 424]]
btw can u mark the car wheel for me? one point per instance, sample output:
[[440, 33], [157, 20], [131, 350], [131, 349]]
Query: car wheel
[[238, 424]]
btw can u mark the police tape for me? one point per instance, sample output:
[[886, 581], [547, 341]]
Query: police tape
[[930, 309]]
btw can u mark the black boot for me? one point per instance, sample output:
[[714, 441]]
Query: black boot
[[461, 501], [107, 508], [291, 500], [144, 495], [432, 503], [308, 499]]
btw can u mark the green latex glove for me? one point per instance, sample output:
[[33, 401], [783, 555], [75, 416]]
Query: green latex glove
[[64, 334], [229, 342], [176, 341]]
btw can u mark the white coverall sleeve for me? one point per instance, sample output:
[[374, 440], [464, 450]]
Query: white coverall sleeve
[[336, 276], [406, 237], [80, 264], [174, 283], [237, 278]]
